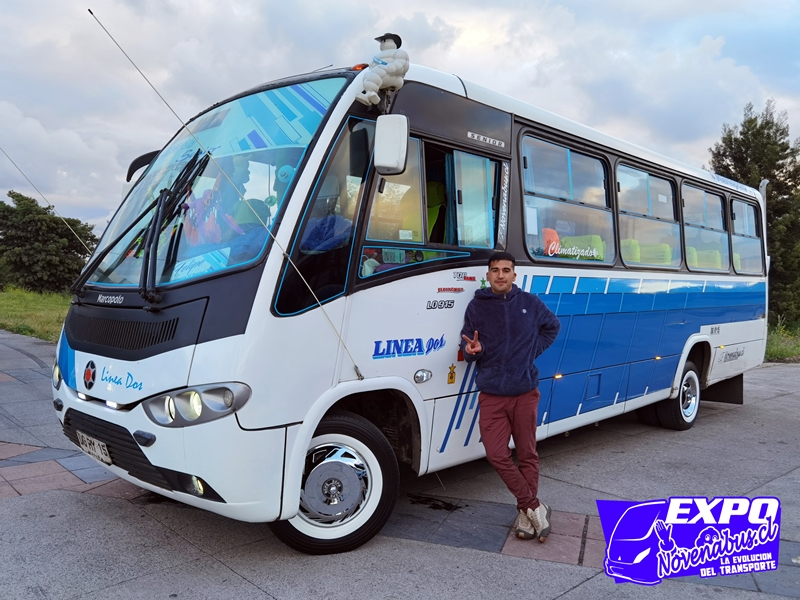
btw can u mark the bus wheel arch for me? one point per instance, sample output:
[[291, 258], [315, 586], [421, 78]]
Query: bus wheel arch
[[349, 487], [395, 415]]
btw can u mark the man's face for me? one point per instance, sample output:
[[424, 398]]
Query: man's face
[[501, 276]]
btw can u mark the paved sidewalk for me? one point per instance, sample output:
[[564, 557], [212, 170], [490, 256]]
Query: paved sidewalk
[[71, 529]]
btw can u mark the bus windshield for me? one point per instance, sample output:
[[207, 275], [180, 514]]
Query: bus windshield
[[257, 143]]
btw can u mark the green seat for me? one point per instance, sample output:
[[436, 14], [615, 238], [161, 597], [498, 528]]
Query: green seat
[[691, 256], [582, 247], [655, 254], [737, 261], [630, 251], [709, 259]]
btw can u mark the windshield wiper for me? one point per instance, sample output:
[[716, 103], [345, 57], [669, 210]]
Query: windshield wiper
[[168, 204], [77, 288]]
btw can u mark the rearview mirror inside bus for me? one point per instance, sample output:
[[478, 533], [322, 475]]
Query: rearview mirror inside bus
[[391, 144]]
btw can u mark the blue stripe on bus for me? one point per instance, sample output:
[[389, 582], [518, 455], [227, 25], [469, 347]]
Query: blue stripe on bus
[[281, 105], [562, 285], [66, 362], [539, 284], [588, 285], [630, 332], [455, 408], [472, 425], [466, 398]]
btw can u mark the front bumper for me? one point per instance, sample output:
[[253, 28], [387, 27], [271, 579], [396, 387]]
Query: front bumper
[[243, 469]]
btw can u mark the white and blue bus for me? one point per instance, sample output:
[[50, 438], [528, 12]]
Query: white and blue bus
[[270, 323]]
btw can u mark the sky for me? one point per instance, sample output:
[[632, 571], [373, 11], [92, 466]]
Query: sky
[[662, 74]]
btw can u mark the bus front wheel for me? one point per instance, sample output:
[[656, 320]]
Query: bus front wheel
[[349, 487], [681, 412]]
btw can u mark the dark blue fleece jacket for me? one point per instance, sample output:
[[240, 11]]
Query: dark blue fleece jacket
[[514, 329]]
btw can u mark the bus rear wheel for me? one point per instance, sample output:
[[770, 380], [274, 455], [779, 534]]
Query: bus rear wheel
[[680, 413], [349, 488]]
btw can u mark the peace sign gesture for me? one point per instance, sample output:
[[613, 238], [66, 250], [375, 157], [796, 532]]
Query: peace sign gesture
[[473, 345]]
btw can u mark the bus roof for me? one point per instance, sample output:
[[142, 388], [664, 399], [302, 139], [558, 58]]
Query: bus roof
[[473, 91]]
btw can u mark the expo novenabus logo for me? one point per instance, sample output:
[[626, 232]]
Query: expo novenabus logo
[[658, 539]]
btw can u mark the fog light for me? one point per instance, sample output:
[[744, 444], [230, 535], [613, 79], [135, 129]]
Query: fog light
[[227, 398], [198, 489]]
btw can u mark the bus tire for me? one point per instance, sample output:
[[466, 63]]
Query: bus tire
[[349, 487], [680, 412], [648, 415]]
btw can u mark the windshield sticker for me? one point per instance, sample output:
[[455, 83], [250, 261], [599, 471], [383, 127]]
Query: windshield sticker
[[199, 265], [659, 539], [406, 347]]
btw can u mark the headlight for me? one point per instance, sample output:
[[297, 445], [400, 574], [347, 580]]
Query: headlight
[[641, 556], [197, 404], [56, 375]]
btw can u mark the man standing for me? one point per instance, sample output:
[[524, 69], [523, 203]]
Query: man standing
[[505, 329]]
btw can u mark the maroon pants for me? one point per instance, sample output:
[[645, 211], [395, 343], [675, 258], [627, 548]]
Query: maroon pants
[[500, 418]]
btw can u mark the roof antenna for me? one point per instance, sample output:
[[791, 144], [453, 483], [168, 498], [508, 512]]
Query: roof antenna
[[47, 202], [213, 160]]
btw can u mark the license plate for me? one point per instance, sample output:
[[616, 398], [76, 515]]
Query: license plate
[[94, 448]]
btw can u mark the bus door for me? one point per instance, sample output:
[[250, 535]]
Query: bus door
[[435, 214]]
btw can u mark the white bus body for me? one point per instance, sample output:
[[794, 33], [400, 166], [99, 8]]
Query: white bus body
[[222, 383]]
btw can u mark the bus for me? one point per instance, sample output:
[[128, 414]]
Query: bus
[[270, 324]]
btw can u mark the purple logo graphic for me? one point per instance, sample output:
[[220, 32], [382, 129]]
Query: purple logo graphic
[[657, 539]]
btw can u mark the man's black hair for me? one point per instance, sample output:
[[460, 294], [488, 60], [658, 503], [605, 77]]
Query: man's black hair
[[502, 256]]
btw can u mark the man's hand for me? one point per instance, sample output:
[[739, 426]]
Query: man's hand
[[473, 345]]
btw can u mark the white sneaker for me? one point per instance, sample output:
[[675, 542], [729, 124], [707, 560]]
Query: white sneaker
[[523, 526], [540, 519]]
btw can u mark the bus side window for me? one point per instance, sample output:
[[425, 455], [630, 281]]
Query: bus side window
[[748, 253], [704, 230], [567, 213], [457, 209], [396, 212], [648, 224], [321, 250], [475, 189]]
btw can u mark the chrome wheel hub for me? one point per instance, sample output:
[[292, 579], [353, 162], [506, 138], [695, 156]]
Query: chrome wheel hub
[[689, 391], [336, 484]]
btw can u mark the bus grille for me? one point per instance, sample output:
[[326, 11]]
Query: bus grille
[[124, 335], [125, 452]]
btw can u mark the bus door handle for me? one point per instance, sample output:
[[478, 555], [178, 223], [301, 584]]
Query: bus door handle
[[458, 195]]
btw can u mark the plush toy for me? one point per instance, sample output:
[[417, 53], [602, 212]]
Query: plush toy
[[386, 69]]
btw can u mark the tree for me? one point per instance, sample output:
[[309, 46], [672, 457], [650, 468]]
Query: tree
[[37, 249], [759, 148]]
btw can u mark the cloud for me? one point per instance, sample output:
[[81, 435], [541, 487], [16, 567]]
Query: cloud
[[665, 74]]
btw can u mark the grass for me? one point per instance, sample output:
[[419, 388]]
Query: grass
[[783, 345], [42, 315], [33, 314]]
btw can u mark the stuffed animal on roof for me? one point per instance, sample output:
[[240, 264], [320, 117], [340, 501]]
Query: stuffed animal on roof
[[386, 69]]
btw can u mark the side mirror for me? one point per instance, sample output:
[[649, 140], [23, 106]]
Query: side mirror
[[142, 161], [391, 144]]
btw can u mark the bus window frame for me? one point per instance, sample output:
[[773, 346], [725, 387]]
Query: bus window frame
[[461, 255], [759, 233], [571, 146], [673, 180]]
